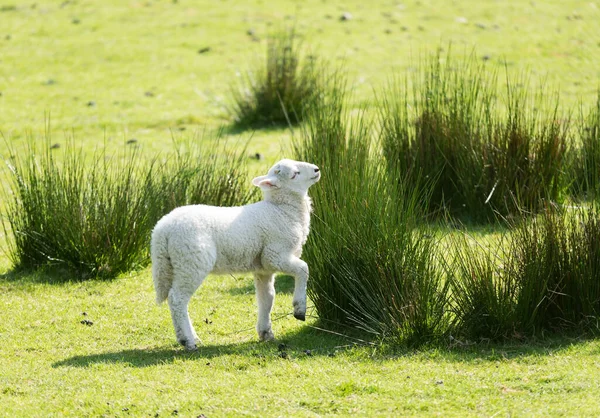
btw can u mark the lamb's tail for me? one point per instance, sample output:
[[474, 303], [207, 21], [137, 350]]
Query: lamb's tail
[[162, 269]]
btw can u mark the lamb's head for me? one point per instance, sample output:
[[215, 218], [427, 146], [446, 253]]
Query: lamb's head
[[295, 176]]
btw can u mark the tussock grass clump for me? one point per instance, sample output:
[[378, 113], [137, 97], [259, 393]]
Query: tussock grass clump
[[280, 92], [563, 252], [95, 215], [89, 215], [586, 172], [209, 175], [525, 158], [441, 133], [371, 267], [483, 295], [485, 160], [543, 277]]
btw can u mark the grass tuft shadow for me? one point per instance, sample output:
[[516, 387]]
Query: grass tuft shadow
[[251, 130], [48, 274]]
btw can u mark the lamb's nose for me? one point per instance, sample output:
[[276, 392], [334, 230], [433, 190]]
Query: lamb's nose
[[316, 170]]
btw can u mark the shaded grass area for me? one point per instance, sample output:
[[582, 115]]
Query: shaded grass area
[[127, 362], [586, 161], [542, 277]]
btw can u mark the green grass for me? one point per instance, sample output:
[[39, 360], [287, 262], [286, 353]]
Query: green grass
[[128, 364], [489, 152], [139, 62], [371, 267], [539, 277], [586, 161], [113, 71], [95, 214], [279, 91]]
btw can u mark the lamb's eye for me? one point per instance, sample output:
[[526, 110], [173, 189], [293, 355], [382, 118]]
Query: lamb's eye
[[295, 174]]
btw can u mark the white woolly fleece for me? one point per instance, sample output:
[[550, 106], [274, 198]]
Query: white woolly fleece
[[262, 238]]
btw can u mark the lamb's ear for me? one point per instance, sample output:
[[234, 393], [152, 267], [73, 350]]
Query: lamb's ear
[[266, 182]]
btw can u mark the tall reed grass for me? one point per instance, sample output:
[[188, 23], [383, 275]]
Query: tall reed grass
[[280, 92], [586, 167], [543, 277], [487, 159], [211, 174], [371, 267], [94, 214]]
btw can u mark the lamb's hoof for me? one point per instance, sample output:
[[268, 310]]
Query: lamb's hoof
[[266, 335], [189, 346], [299, 310], [300, 316]]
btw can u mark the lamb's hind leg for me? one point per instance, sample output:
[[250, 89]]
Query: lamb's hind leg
[[179, 297], [265, 295]]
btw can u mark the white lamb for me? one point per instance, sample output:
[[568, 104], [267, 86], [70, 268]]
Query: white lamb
[[262, 238]]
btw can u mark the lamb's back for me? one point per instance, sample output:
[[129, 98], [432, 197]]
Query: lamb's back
[[236, 234], [202, 220]]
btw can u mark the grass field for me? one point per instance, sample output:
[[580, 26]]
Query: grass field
[[127, 364], [108, 72], [124, 70]]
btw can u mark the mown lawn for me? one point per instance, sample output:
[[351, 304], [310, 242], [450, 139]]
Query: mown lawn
[[107, 72]]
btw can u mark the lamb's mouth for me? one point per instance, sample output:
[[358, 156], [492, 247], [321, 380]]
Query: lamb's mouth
[[318, 176]]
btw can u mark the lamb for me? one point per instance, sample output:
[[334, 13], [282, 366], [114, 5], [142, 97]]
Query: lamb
[[262, 238]]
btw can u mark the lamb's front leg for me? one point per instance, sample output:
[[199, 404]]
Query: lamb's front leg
[[265, 295], [300, 284], [299, 269]]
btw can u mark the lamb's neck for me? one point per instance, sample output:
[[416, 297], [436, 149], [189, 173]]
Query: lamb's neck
[[297, 205]]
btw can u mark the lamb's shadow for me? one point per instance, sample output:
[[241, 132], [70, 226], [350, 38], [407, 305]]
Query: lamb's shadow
[[310, 343], [283, 285], [304, 343]]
